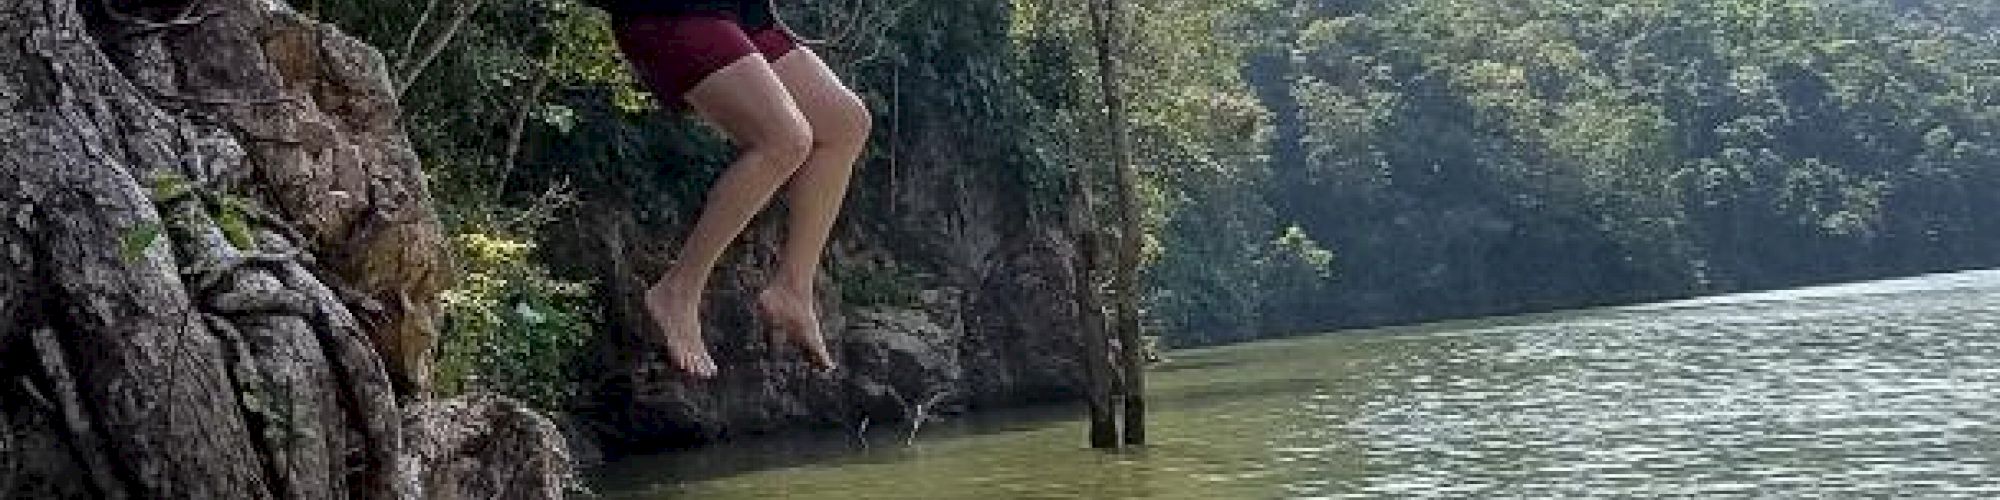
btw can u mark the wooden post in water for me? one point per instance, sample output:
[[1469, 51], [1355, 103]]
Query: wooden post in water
[[1107, 17]]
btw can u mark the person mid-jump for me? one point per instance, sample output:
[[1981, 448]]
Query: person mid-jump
[[734, 63]]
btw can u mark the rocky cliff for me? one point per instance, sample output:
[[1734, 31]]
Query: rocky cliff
[[217, 262], [943, 290]]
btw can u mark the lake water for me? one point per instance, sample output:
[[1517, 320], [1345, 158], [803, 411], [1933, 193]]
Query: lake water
[[1870, 390]]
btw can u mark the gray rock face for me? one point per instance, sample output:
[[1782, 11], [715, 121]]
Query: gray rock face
[[219, 252], [982, 313], [898, 358], [951, 351], [484, 447]]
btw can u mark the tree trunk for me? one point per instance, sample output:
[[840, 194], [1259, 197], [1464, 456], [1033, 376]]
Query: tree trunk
[[518, 128], [1132, 369], [409, 68], [212, 235], [1081, 222], [1090, 312]]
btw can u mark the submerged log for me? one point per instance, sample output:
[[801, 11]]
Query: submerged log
[[213, 234]]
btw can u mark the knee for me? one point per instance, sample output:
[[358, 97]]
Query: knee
[[843, 123], [785, 145]]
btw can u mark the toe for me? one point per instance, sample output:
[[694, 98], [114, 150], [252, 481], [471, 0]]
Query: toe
[[820, 356], [686, 365]]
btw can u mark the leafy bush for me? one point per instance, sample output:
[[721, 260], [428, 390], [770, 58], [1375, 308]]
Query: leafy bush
[[510, 327]]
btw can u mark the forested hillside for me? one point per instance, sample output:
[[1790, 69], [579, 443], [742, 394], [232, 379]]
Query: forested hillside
[[1468, 157]]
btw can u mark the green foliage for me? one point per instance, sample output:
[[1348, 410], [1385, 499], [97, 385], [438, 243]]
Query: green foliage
[[230, 216], [138, 239], [510, 327], [1487, 156], [1296, 271], [1198, 135], [229, 212], [168, 186], [1479, 156], [1295, 254], [582, 53], [141, 237]]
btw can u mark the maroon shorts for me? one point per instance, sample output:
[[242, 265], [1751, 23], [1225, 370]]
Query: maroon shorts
[[673, 53]]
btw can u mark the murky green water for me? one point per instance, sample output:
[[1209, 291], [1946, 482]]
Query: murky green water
[[1887, 389]]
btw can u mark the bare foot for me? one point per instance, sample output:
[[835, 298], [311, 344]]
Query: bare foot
[[792, 312], [678, 317]]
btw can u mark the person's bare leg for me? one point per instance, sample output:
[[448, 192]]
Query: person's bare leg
[[840, 124], [749, 104]]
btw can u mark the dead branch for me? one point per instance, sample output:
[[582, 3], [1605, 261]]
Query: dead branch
[[406, 74], [861, 432], [137, 26], [518, 129], [410, 42], [922, 413]]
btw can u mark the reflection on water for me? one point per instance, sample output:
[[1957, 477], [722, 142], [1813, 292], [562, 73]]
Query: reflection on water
[[1867, 390]]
